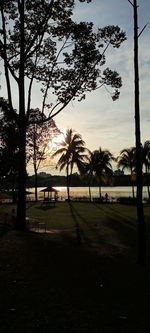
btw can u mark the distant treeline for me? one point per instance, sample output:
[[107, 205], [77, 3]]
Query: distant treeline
[[118, 180]]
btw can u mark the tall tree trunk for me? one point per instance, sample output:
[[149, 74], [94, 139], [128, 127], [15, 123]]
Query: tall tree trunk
[[132, 183], [35, 183], [69, 179], [100, 192], [133, 194], [5, 60], [147, 179], [90, 196], [21, 209], [148, 190], [35, 163], [13, 188], [140, 213], [68, 192]]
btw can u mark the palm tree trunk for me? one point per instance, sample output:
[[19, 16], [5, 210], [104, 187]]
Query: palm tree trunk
[[133, 194], [147, 178], [68, 190], [148, 190], [35, 163], [13, 188], [140, 212], [70, 179], [21, 209], [35, 183], [13, 193], [90, 196], [100, 192]]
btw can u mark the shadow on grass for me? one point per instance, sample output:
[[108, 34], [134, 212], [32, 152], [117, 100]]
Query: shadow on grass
[[41, 206], [127, 227], [46, 207], [81, 235], [6, 223], [125, 219], [4, 229], [124, 227], [48, 288], [79, 231]]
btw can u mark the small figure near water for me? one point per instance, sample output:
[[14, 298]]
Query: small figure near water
[[106, 197]]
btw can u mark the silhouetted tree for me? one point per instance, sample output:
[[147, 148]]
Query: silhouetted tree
[[9, 143], [127, 160], [38, 137], [34, 44], [103, 170], [139, 203], [72, 153], [99, 166], [146, 161]]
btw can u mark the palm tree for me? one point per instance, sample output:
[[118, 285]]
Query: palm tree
[[146, 161], [104, 170], [99, 165], [89, 171], [72, 153], [127, 160]]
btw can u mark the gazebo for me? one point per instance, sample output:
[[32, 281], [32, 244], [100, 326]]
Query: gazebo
[[50, 190]]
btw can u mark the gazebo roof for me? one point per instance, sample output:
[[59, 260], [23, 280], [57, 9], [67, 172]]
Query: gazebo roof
[[28, 192], [49, 189]]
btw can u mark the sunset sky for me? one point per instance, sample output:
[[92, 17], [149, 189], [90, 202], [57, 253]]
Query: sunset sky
[[101, 121]]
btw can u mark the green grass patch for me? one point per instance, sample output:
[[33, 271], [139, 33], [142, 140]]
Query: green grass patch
[[99, 224], [5, 195], [115, 225]]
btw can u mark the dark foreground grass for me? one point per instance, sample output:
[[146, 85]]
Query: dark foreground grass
[[50, 284], [112, 225]]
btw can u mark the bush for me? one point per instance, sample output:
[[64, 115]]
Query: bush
[[127, 200]]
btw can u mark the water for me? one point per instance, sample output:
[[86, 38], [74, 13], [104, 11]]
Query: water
[[75, 192]]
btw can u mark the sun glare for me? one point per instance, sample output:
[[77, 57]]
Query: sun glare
[[56, 141]]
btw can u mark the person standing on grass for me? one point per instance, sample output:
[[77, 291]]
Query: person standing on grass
[[106, 197]]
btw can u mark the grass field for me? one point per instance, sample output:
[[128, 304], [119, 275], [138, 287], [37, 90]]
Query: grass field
[[48, 283], [108, 224]]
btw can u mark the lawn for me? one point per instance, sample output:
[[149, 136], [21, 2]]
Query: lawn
[[48, 283], [108, 224]]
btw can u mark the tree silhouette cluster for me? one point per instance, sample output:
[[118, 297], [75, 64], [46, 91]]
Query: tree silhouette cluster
[[98, 164], [41, 43]]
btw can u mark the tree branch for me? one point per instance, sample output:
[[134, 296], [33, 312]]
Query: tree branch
[[51, 72], [36, 47], [7, 63], [29, 90], [131, 3], [14, 114], [44, 22], [143, 29], [40, 160], [5, 60]]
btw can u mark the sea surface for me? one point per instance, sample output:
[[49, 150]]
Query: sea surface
[[80, 192]]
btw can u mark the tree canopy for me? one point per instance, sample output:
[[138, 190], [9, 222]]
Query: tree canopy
[[64, 56], [37, 139], [40, 43]]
